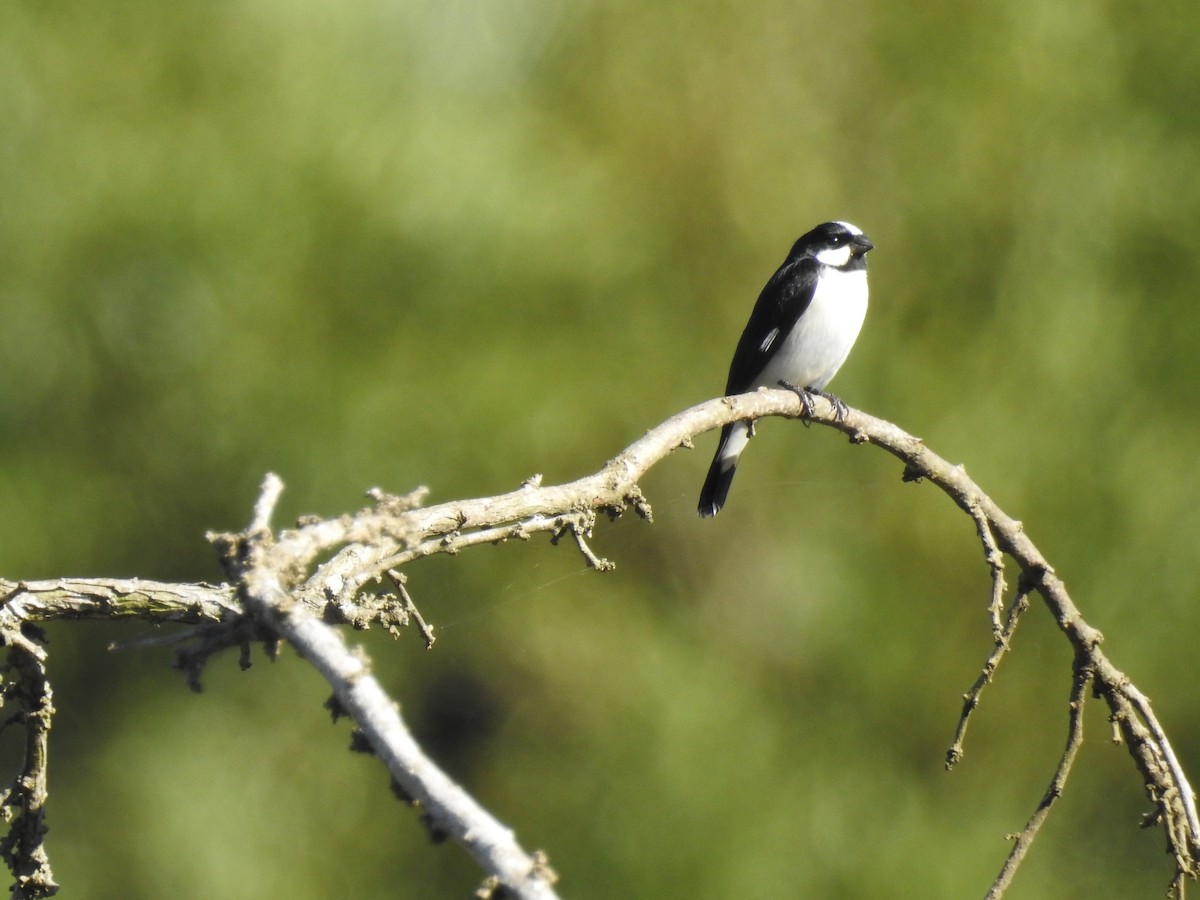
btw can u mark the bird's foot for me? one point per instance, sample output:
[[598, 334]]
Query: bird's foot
[[839, 407], [806, 395]]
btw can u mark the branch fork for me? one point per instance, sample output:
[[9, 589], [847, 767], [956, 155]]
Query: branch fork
[[293, 583]]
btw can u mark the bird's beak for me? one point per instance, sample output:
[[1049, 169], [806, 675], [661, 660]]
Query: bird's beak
[[861, 244]]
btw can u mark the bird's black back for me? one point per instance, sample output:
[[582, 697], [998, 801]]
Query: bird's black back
[[782, 301]]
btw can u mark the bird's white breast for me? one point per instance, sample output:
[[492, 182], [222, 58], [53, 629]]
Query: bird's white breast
[[820, 341]]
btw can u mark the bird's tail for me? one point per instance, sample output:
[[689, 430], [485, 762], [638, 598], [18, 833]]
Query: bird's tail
[[734, 438]]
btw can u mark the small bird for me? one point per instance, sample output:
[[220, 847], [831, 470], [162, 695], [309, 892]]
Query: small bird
[[801, 330]]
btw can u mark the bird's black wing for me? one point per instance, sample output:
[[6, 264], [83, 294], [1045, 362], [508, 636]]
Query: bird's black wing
[[784, 299]]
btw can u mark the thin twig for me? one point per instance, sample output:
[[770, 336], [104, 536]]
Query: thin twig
[[971, 698], [264, 507], [24, 802], [1081, 677], [1186, 795], [399, 579], [579, 526], [995, 561]]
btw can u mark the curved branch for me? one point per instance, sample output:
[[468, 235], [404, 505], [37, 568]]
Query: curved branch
[[299, 581], [400, 533]]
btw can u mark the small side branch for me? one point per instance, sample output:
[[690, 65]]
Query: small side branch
[[1082, 676], [23, 802], [1187, 797], [995, 561], [971, 698], [410, 608], [448, 808], [580, 528]]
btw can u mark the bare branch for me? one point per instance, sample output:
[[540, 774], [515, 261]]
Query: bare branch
[[1188, 799], [116, 598], [971, 698], [1166, 785], [288, 581], [449, 527], [1081, 677], [410, 608], [995, 561], [377, 717], [23, 802], [264, 508]]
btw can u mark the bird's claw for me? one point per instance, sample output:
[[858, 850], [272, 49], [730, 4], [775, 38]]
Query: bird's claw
[[805, 396], [840, 409]]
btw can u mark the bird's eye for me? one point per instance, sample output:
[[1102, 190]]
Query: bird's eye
[[837, 240]]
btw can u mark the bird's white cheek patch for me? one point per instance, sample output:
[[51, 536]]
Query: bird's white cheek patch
[[835, 256]]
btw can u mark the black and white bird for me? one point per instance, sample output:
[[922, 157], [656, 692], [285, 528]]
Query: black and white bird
[[801, 330]]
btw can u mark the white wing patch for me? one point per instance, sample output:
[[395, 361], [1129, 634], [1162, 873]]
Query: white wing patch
[[769, 341]]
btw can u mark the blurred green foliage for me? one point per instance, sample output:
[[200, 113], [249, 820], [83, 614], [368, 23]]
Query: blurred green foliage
[[456, 243]]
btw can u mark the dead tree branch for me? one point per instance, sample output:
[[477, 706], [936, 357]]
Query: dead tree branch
[[299, 583]]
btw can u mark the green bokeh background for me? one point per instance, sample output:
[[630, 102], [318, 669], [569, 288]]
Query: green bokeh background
[[455, 243]]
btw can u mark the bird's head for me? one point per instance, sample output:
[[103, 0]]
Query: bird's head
[[836, 244]]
